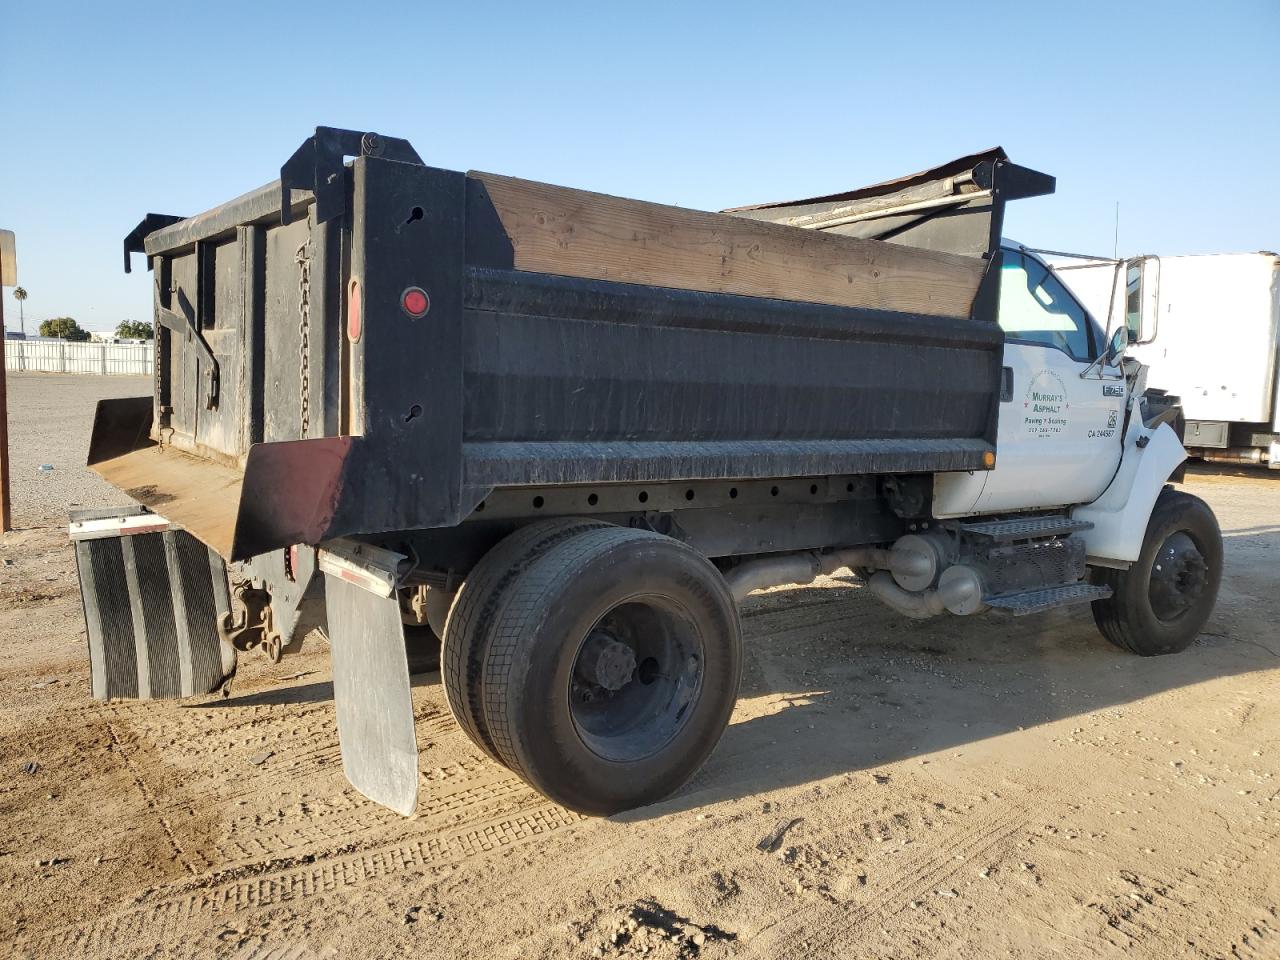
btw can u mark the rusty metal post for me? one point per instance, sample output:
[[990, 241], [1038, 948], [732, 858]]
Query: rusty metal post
[[6, 515]]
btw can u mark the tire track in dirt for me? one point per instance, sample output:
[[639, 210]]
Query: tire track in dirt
[[317, 819], [275, 951], [150, 800], [319, 812], [1154, 911], [825, 927], [177, 905], [319, 827], [181, 800], [320, 835]]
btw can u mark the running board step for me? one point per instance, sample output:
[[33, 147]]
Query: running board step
[[1046, 598], [1006, 531]]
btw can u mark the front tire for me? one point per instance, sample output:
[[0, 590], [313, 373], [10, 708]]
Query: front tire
[[1163, 600], [612, 669]]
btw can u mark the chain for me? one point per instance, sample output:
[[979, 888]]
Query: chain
[[304, 332]]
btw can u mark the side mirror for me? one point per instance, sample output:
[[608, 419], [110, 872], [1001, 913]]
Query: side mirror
[[1118, 344]]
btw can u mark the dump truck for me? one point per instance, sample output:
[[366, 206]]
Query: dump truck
[[1208, 328], [554, 438]]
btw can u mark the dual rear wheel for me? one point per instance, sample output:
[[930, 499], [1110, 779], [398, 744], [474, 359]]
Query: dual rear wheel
[[600, 663]]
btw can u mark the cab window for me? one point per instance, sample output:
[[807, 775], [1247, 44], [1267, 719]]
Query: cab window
[[1036, 308]]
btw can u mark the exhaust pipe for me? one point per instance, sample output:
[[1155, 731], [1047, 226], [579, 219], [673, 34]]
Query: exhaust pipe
[[802, 568], [1247, 455], [917, 606], [959, 590]]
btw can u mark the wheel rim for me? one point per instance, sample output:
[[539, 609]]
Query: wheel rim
[[635, 678], [1179, 576]]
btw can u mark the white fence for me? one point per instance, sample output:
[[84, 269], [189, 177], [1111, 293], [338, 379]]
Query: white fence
[[64, 356]]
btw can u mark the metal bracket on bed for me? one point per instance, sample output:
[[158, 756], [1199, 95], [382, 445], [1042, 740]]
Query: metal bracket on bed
[[317, 166], [371, 689], [133, 243]]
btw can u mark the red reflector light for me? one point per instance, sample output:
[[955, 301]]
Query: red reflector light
[[355, 323], [415, 302]]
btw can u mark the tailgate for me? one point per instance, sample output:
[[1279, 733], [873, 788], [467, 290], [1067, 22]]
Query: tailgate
[[248, 301], [246, 329]]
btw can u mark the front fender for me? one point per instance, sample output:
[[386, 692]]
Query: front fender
[[1120, 515]]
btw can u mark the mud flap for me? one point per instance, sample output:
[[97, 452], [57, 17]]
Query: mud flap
[[153, 598], [371, 673]]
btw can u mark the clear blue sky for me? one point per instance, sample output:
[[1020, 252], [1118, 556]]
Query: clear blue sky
[[111, 110]]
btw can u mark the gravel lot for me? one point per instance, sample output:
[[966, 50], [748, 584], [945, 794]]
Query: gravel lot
[[50, 417], [963, 788]]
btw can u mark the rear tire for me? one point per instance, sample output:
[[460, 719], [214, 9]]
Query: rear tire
[[467, 628], [1163, 600], [613, 669]]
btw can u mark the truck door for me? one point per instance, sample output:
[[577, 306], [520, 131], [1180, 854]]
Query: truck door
[[1059, 437]]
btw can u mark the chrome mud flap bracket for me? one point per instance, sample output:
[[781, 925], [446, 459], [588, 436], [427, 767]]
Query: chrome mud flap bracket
[[371, 672]]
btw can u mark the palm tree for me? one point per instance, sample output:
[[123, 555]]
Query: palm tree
[[20, 294]]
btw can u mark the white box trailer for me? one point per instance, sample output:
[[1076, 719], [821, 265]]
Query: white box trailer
[[1208, 327]]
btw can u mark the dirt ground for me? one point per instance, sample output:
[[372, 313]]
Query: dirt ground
[[966, 788]]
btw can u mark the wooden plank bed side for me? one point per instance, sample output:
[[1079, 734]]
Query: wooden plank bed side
[[560, 230]]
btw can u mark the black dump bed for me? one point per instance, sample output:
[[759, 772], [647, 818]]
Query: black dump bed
[[376, 344]]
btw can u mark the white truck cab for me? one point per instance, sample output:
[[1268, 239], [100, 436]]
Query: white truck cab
[[1062, 406], [1077, 436]]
